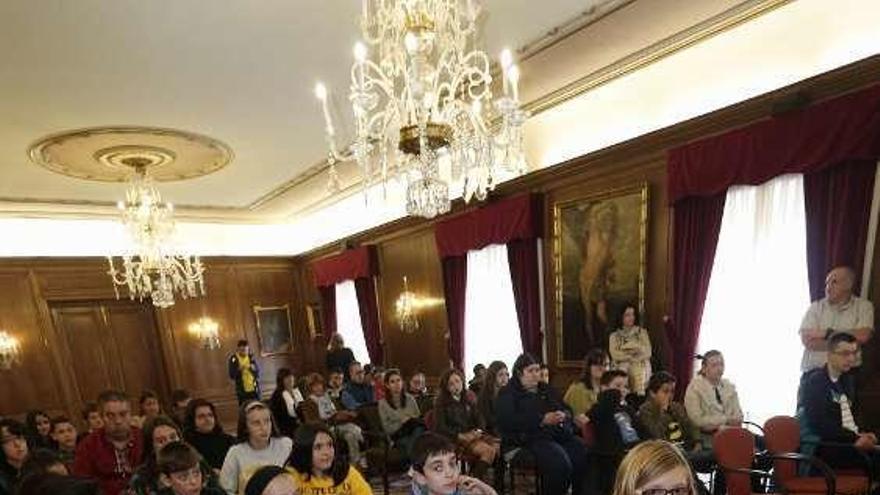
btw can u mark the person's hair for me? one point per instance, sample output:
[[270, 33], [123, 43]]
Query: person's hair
[[179, 395], [147, 394], [486, 398], [111, 396], [252, 405], [58, 420], [355, 362], [282, 374], [176, 457], [389, 397], [478, 367], [659, 379], [635, 309], [89, 408], [30, 422], [522, 362], [610, 375], [596, 357], [335, 371], [39, 461], [260, 480], [335, 342], [301, 455], [189, 419], [705, 357], [314, 379], [242, 343], [14, 428], [838, 338], [429, 444], [444, 398], [56, 484], [149, 449], [648, 461]]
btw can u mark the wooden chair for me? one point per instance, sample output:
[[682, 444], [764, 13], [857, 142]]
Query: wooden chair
[[382, 456], [734, 450]]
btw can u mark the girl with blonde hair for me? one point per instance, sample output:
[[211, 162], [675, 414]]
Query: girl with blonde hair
[[655, 467]]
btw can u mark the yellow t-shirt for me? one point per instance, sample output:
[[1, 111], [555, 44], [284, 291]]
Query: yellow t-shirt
[[248, 383], [353, 484]]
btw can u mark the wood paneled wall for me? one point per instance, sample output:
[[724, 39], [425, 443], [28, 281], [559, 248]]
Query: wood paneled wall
[[33, 288]]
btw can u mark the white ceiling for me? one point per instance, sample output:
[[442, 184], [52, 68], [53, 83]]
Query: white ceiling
[[240, 71]]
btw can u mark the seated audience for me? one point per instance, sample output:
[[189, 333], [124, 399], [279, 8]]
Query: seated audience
[[495, 379], [64, 435], [338, 356], [284, 401], [839, 311], [159, 432], [378, 375], [111, 453], [180, 399], [665, 419], [399, 412], [150, 408], [259, 445], [476, 382], [436, 470], [271, 480], [417, 386], [616, 421], [531, 414], [654, 467], [42, 461], [341, 421], [357, 391], [335, 381], [39, 429], [319, 469], [203, 431], [181, 471], [826, 403], [581, 395], [630, 349], [57, 484], [456, 419], [710, 400], [12, 455], [91, 415]]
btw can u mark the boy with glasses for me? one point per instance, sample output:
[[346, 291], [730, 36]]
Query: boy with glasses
[[180, 471]]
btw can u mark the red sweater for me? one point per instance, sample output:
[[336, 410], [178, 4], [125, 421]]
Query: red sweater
[[96, 458]]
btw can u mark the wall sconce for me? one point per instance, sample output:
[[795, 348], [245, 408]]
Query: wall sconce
[[405, 310], [10, 351], [207, 331]]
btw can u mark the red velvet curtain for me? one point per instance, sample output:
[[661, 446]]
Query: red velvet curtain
[[365, 287], [838, 206], [522, 255], [697, 223], [328, 309], [454, 284]]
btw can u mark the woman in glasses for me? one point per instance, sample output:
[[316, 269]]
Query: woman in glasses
[[654, 467]]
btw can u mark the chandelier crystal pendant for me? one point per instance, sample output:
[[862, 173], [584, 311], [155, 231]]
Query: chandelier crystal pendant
[[405, 310], [423, 107], [153, 270]]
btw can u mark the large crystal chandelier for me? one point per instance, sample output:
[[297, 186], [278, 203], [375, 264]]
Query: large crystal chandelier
[[153, 270], [424, 112]]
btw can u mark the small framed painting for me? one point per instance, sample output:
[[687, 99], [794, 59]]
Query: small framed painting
[[273, 329]]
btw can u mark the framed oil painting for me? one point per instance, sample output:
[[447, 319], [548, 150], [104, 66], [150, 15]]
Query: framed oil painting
[[599, 247], [315, 321], [273, 329]]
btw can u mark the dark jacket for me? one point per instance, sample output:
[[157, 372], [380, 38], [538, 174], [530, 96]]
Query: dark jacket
[[339, 358], [672, 425], [819, 405], [519, 414], [8, 478], [355, 395], [212, 446], [455, 417], [609, 416], [235, 374]]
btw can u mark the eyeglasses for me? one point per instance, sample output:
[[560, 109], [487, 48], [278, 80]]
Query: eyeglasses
[[679, 490], [185, 476]]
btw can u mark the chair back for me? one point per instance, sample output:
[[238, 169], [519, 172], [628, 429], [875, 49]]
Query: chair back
[[370, 414], [734, 449], [782, 435], [308, 411]]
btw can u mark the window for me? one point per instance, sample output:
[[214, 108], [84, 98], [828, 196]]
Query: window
[[348, 320], [758, 294], [491, 328]]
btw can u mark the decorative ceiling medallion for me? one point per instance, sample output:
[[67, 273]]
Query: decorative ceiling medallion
[[108, 154]]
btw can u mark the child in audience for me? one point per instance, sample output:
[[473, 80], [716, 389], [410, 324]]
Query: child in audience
[[495, 379], [158, 432], [416, 386], [150, 408], [457, 420], [436, 470], [12, 454], [180, 471], [630, 349], [317, 467], [341, 421], [582, 394], [64, 436], [39, 428], [654, 467], [616, 424], [180, 398], [271, 480], [335, 380], [259, 445], [91, 415], [284, 400], [399, 412], [710, 400], [43, 461], [665, 419], [203, 431]]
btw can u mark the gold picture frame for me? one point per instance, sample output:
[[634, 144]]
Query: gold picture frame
[[599, 253], [274, 332], [315, 320]]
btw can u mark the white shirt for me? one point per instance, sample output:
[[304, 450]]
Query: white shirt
[[242, 461], [703, 407], [291, 401], [851, 315]]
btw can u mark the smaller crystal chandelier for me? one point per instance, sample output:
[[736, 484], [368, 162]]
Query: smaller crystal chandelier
[[405, 309], [10, 351], [152, 270], [207, 331]]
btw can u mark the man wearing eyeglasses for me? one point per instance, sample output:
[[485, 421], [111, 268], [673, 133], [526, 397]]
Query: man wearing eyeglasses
[[827, 402]]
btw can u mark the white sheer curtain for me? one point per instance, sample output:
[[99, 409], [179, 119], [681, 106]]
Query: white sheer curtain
[[348, 320], [758, 293], [491, 329]]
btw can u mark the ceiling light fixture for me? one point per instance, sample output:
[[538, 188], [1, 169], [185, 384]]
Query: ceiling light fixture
[[423, 105]]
